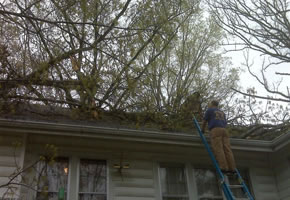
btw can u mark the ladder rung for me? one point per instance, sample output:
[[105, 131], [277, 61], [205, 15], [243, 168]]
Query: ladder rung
[[235, 186]]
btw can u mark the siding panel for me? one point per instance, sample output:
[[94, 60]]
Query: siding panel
[[282, 170], [134, 198], [141, 183], [10, 159], [135, 183], [6, 171], [264, 183], [7, 161]]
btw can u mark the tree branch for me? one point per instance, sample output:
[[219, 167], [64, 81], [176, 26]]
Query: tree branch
[[261, 97], [5, 12], [282, 74]]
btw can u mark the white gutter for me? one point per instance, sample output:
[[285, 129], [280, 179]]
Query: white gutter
[[280, 142], [57, 129]]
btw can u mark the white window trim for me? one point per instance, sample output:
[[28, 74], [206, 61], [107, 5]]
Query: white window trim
[[159, 182], [73, 183], [191, 182], [108, 179], [34, 194], [77, 174], [69, 177], [156, 180], [195, 184], [78, 177], [186, 177]]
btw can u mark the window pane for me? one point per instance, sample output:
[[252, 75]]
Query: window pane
[[173, 183], [52, 178], [207, 184], [238, 192], [93, 180]]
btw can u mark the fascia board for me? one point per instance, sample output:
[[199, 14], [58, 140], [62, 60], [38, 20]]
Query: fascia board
[[281, 142], [18, 126], [251, 145], [47, 128]]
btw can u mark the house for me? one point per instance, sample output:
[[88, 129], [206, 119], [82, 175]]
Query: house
[[115, 163]]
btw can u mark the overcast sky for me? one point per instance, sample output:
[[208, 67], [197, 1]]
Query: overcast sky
[[246, 80]]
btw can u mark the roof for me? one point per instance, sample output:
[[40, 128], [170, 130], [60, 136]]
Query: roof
[[146, 121], [124, 134]]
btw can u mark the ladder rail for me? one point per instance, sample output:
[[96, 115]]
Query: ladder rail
[[227, 191], [245, 188]]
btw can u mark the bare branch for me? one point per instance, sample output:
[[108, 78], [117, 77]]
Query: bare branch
[[283, 74], [261, 97], [5, 12]]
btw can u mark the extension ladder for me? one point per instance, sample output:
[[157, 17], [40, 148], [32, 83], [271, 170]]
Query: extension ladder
[[223, 181]]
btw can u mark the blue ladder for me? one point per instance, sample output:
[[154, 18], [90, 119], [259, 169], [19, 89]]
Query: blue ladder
[[226, 187]]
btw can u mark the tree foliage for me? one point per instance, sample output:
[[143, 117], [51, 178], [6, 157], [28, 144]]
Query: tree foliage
[[190, 65], [99, 56], [82, 53]]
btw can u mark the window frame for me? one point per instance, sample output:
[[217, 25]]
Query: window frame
[[194, 168], [246, 176], [78, 177], [172, 164], [73, 177], [68, 180]]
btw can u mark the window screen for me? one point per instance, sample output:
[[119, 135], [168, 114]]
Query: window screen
[[93, 180], [207, 184], [52, 179], [173, 183]]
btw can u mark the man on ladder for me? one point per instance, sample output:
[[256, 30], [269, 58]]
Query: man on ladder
[[221, 145], [219, 137]]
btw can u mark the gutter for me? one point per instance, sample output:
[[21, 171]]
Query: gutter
[[280, 142], [122, 134]]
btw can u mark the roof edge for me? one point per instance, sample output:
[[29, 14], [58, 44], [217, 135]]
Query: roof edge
[[48, 128], [280, 142]]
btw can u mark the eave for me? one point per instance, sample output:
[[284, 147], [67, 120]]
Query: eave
[[122, 134]]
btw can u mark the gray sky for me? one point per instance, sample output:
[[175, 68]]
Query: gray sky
[[246, 80]]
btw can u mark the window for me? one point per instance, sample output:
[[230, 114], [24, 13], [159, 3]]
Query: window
[[93, 180], [238, 192], [173, 182], [53, 179], [207, 184], [209, 188]]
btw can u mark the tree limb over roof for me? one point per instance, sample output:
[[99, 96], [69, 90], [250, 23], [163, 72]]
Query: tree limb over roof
[[136, 121]]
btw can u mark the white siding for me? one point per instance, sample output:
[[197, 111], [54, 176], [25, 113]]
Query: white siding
[[140, 182], [281, 164], [262, 176], [11, 158], [263, 183], [135, 183]]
